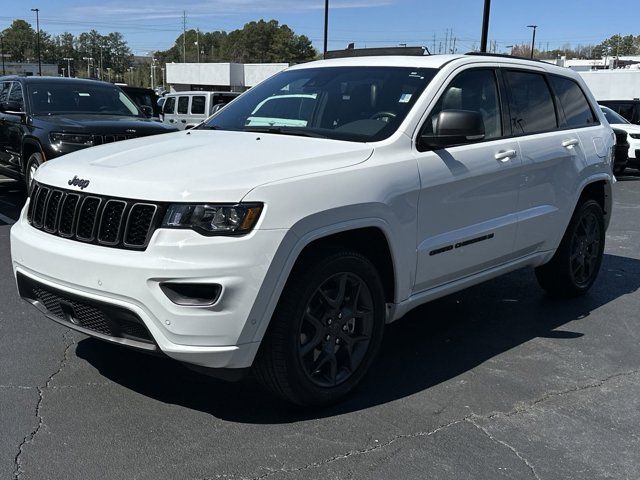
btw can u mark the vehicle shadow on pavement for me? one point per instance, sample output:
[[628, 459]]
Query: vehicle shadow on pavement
[[432, 344]]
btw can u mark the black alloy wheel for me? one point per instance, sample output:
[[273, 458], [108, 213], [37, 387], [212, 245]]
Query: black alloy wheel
[[336, 329]]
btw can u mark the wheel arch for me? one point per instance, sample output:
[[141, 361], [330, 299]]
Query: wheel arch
[[598, 188], [294, 248], [29, 147]]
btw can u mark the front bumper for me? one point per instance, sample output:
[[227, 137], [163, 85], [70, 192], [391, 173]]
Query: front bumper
[[217, 336]]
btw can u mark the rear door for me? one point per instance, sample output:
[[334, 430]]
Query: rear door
[[197, 110], [552, 157], [12, 126], [182, 111], [467, 217], [4, 127]]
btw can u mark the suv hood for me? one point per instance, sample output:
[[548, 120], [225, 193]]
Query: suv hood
[[198, 165], [101, 124]]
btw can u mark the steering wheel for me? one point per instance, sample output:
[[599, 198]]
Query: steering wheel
[[382, 115]]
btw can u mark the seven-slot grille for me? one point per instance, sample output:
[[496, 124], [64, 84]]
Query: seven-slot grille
[[112, 222]]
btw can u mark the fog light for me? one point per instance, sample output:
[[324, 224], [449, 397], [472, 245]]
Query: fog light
[[192, 294]]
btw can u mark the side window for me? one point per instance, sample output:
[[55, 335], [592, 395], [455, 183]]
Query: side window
[[197, 104], [15, 95], [475, 90], [183, 105], [169, 105], [531, 103], [577, 111], [4, 91]]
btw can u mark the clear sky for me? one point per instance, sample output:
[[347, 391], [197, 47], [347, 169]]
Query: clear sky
[[154, 24]]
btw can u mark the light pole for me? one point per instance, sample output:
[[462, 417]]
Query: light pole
[[69, 60], [162, 69], [533, 40], [510, 48], [485, 26], [89, 60], [326, 24], [37, 10]]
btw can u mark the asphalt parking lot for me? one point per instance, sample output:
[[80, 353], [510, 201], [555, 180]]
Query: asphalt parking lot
[[498, 381]]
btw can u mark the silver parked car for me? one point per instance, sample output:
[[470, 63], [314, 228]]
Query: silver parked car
[[188, 109]]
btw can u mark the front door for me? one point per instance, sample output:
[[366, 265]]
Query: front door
[[469, 193]]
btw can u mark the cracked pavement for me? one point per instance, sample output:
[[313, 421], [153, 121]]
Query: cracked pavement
[[498, 381]]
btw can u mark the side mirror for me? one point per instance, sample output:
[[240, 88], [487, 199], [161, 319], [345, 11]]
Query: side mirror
[[454, 127], [147, 110], [13, 108]]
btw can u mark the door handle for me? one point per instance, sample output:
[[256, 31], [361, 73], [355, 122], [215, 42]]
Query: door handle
[[570, 143], [183, 121], [506, 155]]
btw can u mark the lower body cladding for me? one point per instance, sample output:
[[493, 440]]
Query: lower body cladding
[[120, 296]]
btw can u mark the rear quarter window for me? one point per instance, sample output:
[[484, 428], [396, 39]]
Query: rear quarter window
[[574, 104], [198, 104]]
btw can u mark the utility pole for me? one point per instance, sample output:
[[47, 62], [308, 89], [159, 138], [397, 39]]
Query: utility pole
[[184, 36], [326, 25], [434, 42], [533, 40], [198, 43], [101, 62], [446, 40], [453, 50], [37, 10], [68, 59], [485, 26]]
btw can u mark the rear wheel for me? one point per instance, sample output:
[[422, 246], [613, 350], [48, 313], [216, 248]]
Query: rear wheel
[[326, 330], [575, 265]]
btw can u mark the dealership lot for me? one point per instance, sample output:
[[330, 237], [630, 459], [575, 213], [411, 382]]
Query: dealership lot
[[498, 381]]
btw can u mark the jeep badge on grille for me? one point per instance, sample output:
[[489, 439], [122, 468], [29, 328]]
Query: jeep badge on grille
[[79, 182]]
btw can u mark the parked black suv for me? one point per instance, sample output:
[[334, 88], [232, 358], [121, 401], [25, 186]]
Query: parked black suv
[[44, 117]]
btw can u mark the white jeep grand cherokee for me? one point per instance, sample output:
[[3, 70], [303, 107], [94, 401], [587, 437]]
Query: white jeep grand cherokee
[[370, 186]]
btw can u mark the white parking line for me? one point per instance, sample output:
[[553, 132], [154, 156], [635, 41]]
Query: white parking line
[[7, 220]]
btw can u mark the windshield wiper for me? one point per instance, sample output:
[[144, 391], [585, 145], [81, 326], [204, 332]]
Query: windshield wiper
[[285, 131]]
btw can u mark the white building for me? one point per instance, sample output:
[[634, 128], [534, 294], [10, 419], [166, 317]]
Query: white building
[[235, 77], [619, 84]]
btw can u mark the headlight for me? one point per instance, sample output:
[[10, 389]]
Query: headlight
[[635, 136], [210, 219], [71, 139]]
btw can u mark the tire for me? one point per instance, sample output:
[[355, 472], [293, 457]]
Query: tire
[[575, 265], [33, 163], [347, 329], [617, 171]]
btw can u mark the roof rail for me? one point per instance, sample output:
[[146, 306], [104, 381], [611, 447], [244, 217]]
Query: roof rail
[[503, 55], [372, 52]]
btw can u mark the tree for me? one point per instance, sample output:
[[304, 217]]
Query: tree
[[257, 42], [20, 41]]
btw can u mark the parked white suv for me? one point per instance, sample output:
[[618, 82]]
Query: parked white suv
[[187, 109], [287, 247], [633, 136]]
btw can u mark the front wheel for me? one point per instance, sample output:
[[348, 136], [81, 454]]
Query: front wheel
[[575, 265], [326, 330], [33, 163]]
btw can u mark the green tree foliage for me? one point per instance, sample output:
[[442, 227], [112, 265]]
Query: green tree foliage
[[257, 42], [108, 51]]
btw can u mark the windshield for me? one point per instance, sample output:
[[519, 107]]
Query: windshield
[[98, 99], [361, 104], [612, 117]]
